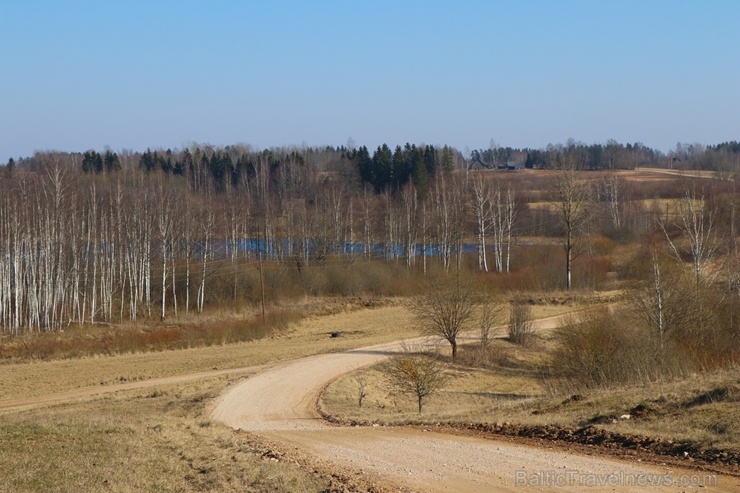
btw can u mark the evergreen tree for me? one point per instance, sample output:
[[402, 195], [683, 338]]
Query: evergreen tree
[[92, 162], [419, 175], [430, 160], [448, 161], [398, 168], [146, 161], [361, 158], [111, 161], [383, 167]]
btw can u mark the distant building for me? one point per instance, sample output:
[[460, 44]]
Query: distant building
[[512, 166], [477, 164]]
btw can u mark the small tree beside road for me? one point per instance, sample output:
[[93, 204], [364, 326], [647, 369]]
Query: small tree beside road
[[419, 375]]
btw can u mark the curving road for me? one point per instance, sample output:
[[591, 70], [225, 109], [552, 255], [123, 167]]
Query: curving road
[[280, 405]]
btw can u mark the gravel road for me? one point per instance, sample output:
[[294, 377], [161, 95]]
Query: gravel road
[[279, 404]]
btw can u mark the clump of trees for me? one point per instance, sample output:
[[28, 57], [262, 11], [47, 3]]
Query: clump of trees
[[680, 313]]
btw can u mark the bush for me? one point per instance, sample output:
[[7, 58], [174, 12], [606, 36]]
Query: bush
[[599, 348], [521, 327]]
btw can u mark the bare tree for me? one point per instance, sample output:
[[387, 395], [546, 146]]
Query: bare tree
[[663, 303], [446, 308], [207, 220], [503, 214], [443, 219], [420, 375], [423, 231], [410, 222], [360, 380], [571, 197], [164, 224], [490, 317], [612, 153], [610, 190]]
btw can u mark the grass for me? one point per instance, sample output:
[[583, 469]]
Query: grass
[[306, 337], [219, 326], [140, 441], [160, 439]]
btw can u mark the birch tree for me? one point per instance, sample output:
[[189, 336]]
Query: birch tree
[[663, 302], [409, 210], [610, 190], [503, 214], [698, 236], [164, 230], [482, 213]]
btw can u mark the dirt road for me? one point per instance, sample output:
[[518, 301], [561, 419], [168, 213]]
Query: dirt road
[[280, 405]]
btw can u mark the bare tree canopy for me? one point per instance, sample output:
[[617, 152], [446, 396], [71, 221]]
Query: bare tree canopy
[[446, 307], [698, 236]]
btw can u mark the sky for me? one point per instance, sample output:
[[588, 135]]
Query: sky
[[78, 75]]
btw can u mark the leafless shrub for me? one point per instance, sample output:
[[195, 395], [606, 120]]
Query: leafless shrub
[[360, 381], [521, 326], [417, 374], [490, 317], [599, 348]]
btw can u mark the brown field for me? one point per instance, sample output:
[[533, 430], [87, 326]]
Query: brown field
[[309, 336], [94, 441], [146, 440]]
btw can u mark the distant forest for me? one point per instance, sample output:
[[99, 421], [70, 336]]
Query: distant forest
[[219, 168], [98, 237]]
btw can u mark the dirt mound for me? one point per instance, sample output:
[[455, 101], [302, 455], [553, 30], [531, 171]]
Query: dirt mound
[[592, 435], [728, 393]]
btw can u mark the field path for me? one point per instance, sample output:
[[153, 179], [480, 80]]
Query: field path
[[81, 393], [280, 405]]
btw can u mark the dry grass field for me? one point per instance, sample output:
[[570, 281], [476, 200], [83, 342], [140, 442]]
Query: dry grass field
[[148, 440], [159, 438], [95, 442], [358, 327]]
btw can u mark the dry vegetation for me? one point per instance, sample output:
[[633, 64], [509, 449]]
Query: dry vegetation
[[149, 440], [309, 336], [160, 438]]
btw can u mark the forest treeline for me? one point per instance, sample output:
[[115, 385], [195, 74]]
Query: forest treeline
[[89, 237], [384, 167]]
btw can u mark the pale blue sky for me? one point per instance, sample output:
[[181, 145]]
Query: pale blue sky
[[78, 75]]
